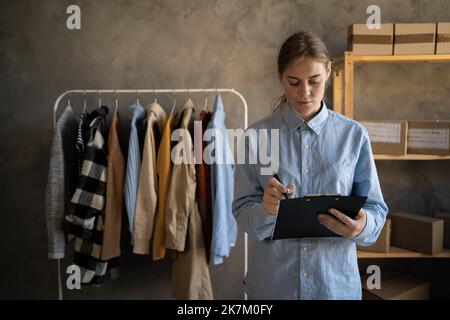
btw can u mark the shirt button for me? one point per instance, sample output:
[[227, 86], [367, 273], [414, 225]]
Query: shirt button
[[306, 171], [306, 146], [305, 248], [305, 274]]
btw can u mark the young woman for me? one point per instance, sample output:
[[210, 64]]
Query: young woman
[[320, 152]]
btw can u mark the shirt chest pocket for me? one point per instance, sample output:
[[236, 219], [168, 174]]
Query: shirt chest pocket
[[337, 177]]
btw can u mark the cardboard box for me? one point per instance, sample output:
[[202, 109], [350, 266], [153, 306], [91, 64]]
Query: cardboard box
[[404, 287], [443, 38], [417, 233], [365, 41], [428, 137], [387, 137], [446, 217], [383, 242], [414, 38]]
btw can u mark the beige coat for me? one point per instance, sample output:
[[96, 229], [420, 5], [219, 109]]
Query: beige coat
[[148, 181], [163, 168], [115, 176], [190, 277], [181, 196]]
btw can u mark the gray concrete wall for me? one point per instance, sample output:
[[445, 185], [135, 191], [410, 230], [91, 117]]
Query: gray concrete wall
[[179, 43]]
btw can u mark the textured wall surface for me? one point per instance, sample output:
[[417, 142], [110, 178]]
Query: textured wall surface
[[175, 44]]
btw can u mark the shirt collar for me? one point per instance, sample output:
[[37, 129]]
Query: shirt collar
[[218, 115], [294, 121], [155, 109], [137, 112], [181, 116]]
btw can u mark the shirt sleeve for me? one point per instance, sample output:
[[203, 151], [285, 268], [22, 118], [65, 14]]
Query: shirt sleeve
[[55, 197], [366, 183], [248, 207], [224, 229]]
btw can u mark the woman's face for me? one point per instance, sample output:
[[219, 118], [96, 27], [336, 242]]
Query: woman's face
[[304, 86]]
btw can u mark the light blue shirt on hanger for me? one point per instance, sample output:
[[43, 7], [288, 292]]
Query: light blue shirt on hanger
[[327, 154], [224, 228], [133, 163]]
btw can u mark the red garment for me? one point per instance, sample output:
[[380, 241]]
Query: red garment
[[204, 189]]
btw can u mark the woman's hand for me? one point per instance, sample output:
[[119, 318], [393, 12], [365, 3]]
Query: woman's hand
[[273, 193], [342, 224]]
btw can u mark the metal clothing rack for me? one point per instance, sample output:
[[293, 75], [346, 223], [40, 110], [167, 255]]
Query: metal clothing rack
[[154, 91]]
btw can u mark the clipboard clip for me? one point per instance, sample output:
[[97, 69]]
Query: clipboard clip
[[337, 195], [323, 195]]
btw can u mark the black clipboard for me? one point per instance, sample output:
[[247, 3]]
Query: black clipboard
[[297, 218]]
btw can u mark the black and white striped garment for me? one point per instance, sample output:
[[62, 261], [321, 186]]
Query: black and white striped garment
[[88, 201], [79, 145], [84, 219]]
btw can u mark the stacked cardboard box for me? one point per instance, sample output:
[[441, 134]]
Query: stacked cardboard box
[[383, 242], [387, 137], [404, 287], [446, 217], [365, 41], [399, 39], [443, 38], [429, 137], [417, 233], [414, 38]]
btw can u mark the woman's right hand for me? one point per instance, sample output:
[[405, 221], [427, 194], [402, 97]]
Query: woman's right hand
[[273, 193]]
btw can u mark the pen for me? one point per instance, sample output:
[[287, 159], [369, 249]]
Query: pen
[[279, 180]]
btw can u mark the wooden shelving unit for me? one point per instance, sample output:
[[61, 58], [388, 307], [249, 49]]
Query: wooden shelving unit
[[396, 252], [344, 72], [343, 78], [401, 58]]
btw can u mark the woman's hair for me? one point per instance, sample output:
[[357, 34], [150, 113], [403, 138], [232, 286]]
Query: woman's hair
[[301, 45]]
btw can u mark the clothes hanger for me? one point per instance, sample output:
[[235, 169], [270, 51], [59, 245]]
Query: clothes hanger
[[101, 110], [99, 100], [190, 100], [68, 101], [137, 98], [84, 101], [205, 107], [174, 102], [117, 103], [156, 99]]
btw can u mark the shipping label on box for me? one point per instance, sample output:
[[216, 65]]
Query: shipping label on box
[[428, 137], [414, 38], [387, 137], [365, 41], [443, 38]]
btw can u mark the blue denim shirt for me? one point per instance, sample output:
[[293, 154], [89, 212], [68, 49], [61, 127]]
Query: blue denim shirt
[[327, 154], [224, 228]]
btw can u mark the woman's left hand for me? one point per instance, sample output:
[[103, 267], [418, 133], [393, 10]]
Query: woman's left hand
[[342, 224]]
